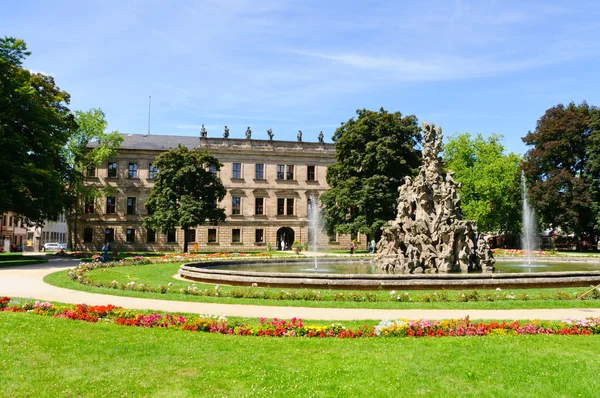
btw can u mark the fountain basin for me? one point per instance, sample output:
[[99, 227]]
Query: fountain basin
[[232, 272]]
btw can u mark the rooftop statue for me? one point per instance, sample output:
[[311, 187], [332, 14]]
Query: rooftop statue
[[270, 133], [429, 234], [299, 136], [203, 132], [321, 138], [226, 133], [248, 133]]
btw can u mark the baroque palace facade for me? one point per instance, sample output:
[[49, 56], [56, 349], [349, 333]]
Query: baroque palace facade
[[269, 186]]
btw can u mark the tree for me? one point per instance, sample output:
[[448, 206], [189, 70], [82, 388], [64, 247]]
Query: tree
[[82, 156], [185, 193], [490, 193], [373, 154], [35, 125], [562, 179]]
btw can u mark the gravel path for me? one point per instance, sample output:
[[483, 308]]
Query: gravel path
[[27, 281]]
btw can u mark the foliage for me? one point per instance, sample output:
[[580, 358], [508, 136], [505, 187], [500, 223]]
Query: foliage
[[185, 192], [562, 168], [88, 147], [491, 193], [373, 153], [35, 125]]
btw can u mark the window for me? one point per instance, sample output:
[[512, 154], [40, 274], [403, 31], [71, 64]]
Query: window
[[236, 207], [131, 205], [259, 235], [88, 235], [130, 235], [290, 172], [280, 206], [212, 169], [10, 221], [258, 208], [89, 207], [152, 171], [310, 173], [259, 173], [333, 237], [171, 236], [280, 171], [132, 170], [236, 235], [109, 235], [110, 205], [150, 236], [191, 235], [112, 169], [212, 235], [237, 170], [290, 206], [90, 172]]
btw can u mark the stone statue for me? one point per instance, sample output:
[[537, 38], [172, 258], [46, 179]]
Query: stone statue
[[429, 234], [248, 133], [270, 133], [321, 138], [226, 133], [299, 136], [203, 132]]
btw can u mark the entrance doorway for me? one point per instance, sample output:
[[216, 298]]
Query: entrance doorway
[[285, 238]]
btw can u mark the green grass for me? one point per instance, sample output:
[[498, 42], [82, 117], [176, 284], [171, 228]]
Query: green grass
[[154, 275], [42, 356], [12, 259]]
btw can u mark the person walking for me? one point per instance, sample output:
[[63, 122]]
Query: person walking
[[105, 250]]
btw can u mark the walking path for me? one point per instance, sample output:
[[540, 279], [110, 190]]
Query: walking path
[[27, 281]]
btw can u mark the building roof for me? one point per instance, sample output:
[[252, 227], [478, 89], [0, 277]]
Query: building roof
[[164, 142]]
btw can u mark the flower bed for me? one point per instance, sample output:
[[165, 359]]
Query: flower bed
[[296, 328]]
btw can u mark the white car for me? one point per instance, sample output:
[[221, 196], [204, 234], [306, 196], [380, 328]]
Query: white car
[[53, 247]]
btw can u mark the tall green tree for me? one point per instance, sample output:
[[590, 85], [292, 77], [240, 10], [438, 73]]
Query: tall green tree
[[373, 154], [90, 146], [490, 193], [563, 181], [35, 125], [185, 192]]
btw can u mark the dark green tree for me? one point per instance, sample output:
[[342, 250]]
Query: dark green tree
[[373, 154], [491, 181], [35, 125], [88, 147], [562, 181], [185, 192]]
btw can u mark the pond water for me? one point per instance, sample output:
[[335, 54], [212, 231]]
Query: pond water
[[366, 267]]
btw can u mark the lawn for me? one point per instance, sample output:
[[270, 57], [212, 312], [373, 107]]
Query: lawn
[[41, 356], [13, 259], [153, 275]]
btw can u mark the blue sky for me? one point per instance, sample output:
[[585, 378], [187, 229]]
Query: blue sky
[[469, 66]]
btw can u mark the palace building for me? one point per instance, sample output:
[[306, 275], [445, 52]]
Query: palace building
[[269, 187]]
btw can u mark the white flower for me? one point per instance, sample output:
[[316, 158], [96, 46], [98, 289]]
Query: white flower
[[498, 289], [255, 284], [392, 292], [170, 284]]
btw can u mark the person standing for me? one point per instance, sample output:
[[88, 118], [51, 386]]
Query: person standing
[[351, 247], [373, 245]]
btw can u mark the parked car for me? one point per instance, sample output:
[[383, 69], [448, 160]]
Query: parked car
[[53, 247]]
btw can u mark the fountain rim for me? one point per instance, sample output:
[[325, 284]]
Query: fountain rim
[[202, 272]]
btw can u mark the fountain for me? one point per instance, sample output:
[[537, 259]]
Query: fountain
[[429, 234], [529, 233], [313, 225]]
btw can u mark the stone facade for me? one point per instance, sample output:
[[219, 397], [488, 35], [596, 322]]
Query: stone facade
[[280, 175]]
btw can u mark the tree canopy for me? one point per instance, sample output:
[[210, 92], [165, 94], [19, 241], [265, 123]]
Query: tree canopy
[[185, 192], [490, 193], [35, 125], [562, 168], [373, 154], [91, 128]]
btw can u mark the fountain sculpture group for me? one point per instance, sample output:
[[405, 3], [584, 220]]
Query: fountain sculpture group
[[429, 234]]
